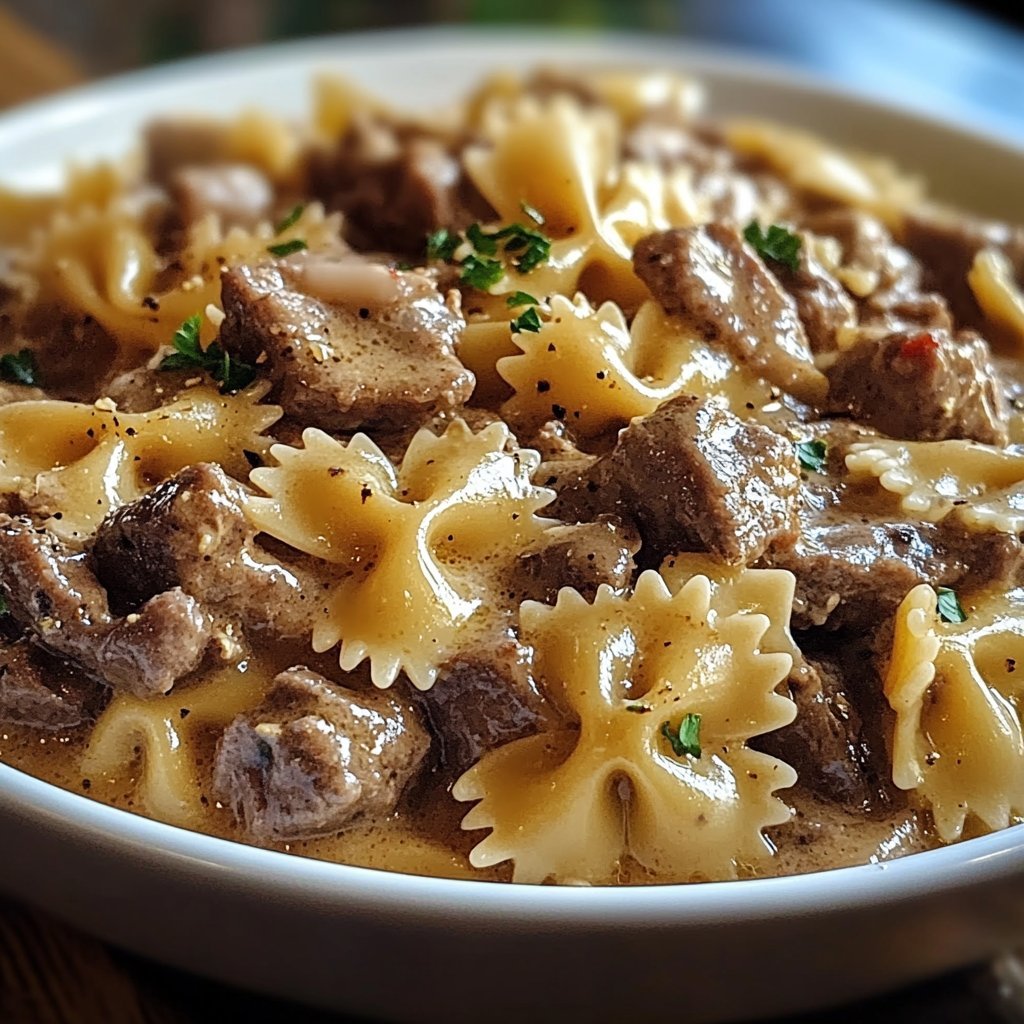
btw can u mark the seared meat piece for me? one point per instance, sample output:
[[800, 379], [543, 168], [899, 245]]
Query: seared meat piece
[[144, 389], [482, 701], [236, 193], [316, 756], [42, 691], [825, 742], [54, 594], [823, 303], [922, 386], [395, 184], [712, 278], [191, 532], [946, 242], [11, 393], [581, 556], [694, 477], [377, 348]]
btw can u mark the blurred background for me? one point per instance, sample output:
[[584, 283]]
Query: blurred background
[[965, 60]]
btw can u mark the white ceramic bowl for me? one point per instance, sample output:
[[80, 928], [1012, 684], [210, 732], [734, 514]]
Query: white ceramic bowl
[[428, 949]]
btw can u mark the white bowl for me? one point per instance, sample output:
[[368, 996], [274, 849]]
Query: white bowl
[[412, 948]]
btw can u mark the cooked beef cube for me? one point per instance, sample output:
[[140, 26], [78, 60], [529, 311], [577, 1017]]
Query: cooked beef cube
[[315, 757], [825, 742], [144, 389], [42, 691], [924, 386], [482, 701], [11, 393], [237, 194], [395, 184], [712, 278], [378, 349], [191, 532], [53, 593], [851, 572], [823, 303], [581, 556], [694, 477], [946, 242]]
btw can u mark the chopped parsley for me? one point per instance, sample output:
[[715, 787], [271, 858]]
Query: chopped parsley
[[293, 245], [485, 244], [19, 368], [685, 741], [520, 299], [441, 245], [527, 321], [949, 606], [811, 455], [290, 219], [189, 354], [530, 247], [481, 272], [777, 243]]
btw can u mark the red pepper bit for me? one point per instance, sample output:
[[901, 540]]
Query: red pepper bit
[[921, 346]]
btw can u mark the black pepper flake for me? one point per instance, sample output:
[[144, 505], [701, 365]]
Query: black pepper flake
[[558, 411], [184, 713], [551, 347], [364, 494], [253, 458], [335, 471], [364, 313], [151, 303], [86, 783], [542, 386], [1011, 664], [600, 374]]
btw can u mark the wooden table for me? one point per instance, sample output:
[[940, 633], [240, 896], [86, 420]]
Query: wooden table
[[51, 974]]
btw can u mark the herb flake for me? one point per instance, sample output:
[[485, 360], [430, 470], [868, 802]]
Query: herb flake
[[188, 354], [441, 244], [777, 243], [949, 607], [481, 272], [19, 368], [289, 221], [527, 321], [685, 741], [812, 454], [520, 299], [293, 245]]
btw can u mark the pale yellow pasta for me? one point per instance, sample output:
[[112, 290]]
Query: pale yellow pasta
[[809, 162], [425, 545], [572, 805], [997, 292], [957, 741], [601, 373], [84, 460], [981, 484]]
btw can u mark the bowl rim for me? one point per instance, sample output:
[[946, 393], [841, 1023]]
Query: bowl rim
[[119, 833]]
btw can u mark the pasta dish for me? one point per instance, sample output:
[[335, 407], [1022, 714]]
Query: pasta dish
[[564, 487]]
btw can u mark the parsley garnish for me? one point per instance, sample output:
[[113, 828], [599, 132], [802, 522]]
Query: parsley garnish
[[441, 244], [18, 368], [949, 606], [289, 221], [485, 244], [527, 321], [811, 455], [532, 247], [686, 739], [188, 354], [777, 243], [520, 299], [287, 248], [481, 272]]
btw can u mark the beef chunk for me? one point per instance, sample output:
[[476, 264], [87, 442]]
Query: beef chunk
[[823, 303], [395, 183], [237, 194], [316, 756], [484, 700], [836, 742], [191, 532], [377, 349], [53, 593], [922, 386], [144, 388], [42, 691], [582, 556], [694, 477], [946, 243], [710, 276]]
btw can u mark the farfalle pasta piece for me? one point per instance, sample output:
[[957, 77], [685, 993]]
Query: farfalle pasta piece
[[562, 160], [981, 484], [571, 805], [165, 733], [424, 544], [954, 688], [587, 367], [85, 460], [994, 285]]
